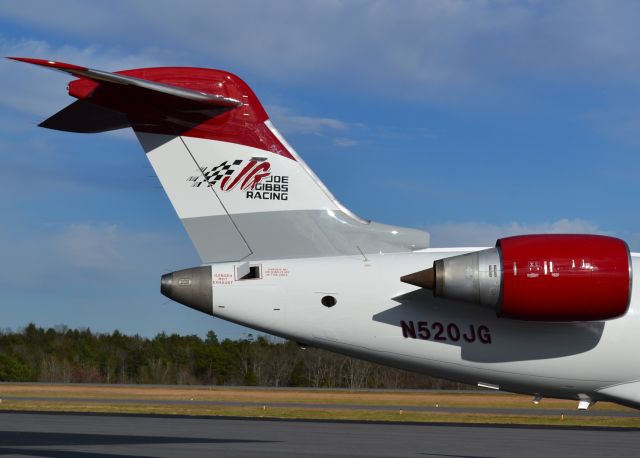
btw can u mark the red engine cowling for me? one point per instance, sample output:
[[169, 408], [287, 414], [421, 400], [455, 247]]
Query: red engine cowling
[[555, 277], [565, 277]]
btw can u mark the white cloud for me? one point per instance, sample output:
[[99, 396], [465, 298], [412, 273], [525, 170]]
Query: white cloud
[[413, 49], [86, 253], [290, 123], [620, 123], [345, 142], [93, 247], [486, 234], [41, 92], [112, 248]]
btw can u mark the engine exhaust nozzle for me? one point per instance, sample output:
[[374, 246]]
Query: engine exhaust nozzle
[[473, 277]]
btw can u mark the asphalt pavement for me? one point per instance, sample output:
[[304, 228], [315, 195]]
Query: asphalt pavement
[[102, 435]]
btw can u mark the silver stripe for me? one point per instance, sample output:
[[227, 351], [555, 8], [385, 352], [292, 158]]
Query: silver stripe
[[297, 234]]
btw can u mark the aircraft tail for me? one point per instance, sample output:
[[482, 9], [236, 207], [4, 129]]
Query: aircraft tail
[[241, 191]]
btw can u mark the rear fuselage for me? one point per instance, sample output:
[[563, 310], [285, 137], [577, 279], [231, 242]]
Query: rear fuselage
[[379, 318]]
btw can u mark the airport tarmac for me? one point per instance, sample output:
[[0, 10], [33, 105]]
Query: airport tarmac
[[101, 436]]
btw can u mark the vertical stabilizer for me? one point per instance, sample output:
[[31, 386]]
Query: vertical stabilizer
[[239, 188]]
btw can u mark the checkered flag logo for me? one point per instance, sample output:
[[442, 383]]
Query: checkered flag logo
[[212, 175]]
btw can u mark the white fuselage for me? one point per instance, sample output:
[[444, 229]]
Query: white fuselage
[[381, 319]]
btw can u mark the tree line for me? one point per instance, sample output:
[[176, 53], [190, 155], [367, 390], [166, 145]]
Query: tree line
[[64, 355]]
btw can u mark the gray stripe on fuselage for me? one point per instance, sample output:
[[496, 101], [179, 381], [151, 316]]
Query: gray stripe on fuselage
[[297, 234]]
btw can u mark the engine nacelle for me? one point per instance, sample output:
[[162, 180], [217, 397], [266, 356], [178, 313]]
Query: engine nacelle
[[551, 277]]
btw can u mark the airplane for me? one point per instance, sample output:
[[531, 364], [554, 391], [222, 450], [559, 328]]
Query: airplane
[[549, 315]]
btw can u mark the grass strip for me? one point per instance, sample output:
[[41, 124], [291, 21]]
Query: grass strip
[[382, 398]]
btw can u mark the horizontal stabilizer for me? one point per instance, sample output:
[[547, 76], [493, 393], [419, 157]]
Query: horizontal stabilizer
[[115, 78], [165, 100], [87, 118]]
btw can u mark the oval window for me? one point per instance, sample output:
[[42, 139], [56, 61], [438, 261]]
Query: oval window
[[329, 301]]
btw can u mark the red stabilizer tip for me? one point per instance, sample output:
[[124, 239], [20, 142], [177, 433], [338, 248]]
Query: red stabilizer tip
[[49, 63]]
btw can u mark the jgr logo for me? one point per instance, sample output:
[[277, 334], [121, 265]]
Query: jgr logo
[[250, 176], [233, 175]]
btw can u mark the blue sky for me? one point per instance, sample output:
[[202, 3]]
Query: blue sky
[[472, 120]]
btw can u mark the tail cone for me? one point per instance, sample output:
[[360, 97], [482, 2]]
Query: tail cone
[[191, 287]]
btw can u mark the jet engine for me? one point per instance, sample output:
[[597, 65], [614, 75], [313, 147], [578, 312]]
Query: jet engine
[[555, 277], [190, 287]]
